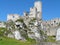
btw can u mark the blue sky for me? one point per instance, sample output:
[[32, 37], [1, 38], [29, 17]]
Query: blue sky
[[50, 8]]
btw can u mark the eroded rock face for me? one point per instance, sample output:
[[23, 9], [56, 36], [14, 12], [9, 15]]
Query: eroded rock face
[[34, 35], [37, 35], [17, 35], [10, 35], [58, 35]]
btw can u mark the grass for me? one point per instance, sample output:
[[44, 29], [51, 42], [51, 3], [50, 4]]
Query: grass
[[10, 41]]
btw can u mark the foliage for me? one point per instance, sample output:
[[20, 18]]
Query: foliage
[[25, 26], [50, 39], [41, 32], [59, 24], [31, 23], [20, 20], [2, 30]]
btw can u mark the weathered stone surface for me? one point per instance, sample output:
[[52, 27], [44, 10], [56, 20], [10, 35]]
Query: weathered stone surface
[[58, 35], [17, 35]]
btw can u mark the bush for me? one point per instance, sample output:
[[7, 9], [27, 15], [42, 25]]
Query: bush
[[51, 39], [2, 30], [20, 20]]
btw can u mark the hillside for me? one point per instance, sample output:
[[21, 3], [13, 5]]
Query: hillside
[[10, 41]]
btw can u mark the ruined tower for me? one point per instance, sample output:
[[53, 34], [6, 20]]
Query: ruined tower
[[38, 6]]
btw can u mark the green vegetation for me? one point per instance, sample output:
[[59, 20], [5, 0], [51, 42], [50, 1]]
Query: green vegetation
[[41, 32], [2, 30], [31, 23], [59, 24], [47, 38], [20, 20], [50, 39], [31, 40], [10, 41]]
